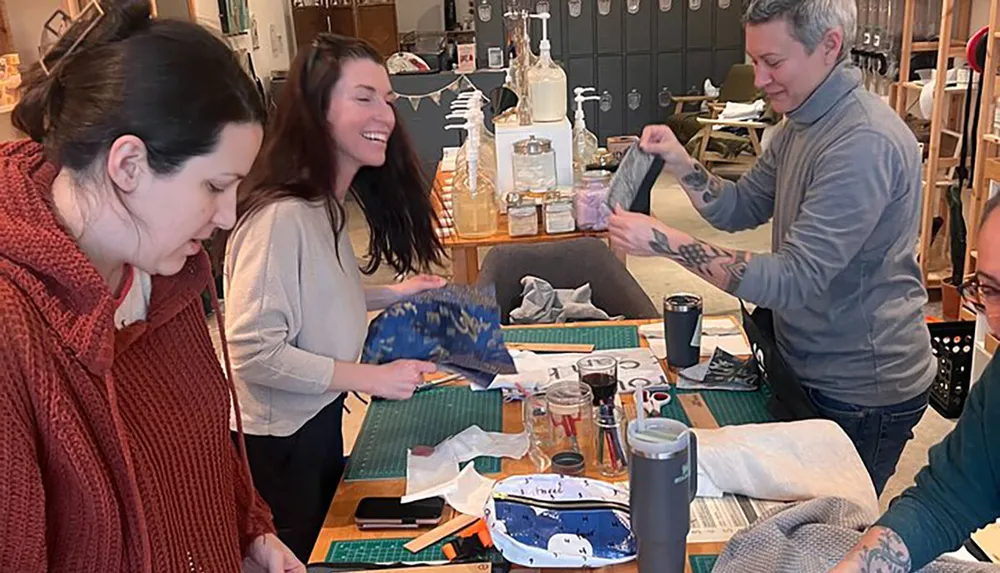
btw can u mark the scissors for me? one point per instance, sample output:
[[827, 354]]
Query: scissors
[[654, 401]]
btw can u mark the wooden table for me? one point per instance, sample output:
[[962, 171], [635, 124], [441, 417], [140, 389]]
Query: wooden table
[[465, 252], [339, 523]]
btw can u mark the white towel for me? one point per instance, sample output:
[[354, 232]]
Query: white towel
[[789, 461]]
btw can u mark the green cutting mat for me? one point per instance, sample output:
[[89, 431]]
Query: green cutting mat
[[602, 337], [387, 551], [702, 563], [728, 408], [429, 417], [382, 551], [392, 551]]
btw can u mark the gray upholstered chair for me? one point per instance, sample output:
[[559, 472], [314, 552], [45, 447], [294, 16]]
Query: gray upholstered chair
[[566, 264]]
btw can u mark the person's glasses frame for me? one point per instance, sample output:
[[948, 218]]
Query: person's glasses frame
[[978, 294]]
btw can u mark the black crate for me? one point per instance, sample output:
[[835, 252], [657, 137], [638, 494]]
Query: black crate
[[952, 344]]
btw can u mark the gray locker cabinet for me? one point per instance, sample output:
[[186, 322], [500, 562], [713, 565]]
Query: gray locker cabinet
[[609, 26], [699, 25], [580, 28], [669, 25], [556, 26], [489, 30], [610, 82], [697, 67], [640, 103], [725, 59], [728, 24], [639, 26], [669, 81]]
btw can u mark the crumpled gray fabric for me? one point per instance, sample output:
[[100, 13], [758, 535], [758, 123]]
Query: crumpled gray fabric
[[811, 537], [542, 304]]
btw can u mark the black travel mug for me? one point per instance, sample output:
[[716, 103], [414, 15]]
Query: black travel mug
[[682, 328]]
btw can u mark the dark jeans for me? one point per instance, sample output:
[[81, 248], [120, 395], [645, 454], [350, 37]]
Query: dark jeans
[[298, 475], [879, 434]]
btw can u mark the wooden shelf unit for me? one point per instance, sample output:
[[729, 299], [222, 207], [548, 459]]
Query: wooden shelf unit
[[986, 166], [937, 169]]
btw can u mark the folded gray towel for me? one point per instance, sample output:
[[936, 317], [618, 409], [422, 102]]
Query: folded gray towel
[[542, 304], [811, 537]]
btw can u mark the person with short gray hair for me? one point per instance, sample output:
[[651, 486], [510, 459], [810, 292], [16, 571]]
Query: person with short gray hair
[[809, 20], [841, 184]]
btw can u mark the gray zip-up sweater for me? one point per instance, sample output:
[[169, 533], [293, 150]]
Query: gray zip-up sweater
[[841, 179]]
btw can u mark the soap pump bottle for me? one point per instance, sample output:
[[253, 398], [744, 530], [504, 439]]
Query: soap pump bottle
[[469, 106], [546, 81], [584, 141], [474, 193]]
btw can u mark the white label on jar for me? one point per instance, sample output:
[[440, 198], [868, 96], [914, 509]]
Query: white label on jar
[[560, 222]]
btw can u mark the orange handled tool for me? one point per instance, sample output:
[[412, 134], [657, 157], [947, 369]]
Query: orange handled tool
[[471, 542]]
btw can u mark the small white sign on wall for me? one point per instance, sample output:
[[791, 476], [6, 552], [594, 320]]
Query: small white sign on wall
[[466, 58]]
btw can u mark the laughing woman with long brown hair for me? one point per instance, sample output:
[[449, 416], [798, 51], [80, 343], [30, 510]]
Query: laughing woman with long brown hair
[[295, 304]]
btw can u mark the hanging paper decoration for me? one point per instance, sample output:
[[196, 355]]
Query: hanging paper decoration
[[575, 8], [633, 6], [459, 84], [694, 5], [725, 4], [666, 5], [604, 7], [542, 7]]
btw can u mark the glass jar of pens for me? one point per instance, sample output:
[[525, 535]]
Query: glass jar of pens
[[600, 374], [570, 407]]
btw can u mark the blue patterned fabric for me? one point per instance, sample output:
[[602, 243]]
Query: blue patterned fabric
[[589, 533], [456, 326]]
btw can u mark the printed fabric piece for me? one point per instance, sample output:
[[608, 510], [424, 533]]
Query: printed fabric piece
[[559, 521], [457, 327]]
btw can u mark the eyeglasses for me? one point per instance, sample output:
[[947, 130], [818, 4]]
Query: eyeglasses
[[979, 294]]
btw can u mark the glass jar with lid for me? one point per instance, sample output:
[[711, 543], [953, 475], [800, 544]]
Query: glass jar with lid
[[570, 410], [522, 216], [558, 211], [534, 164], [590, 200]]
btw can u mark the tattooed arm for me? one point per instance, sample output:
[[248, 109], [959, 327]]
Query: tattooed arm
[[642, 235], [702, 187], [879, 551], [721, 267]]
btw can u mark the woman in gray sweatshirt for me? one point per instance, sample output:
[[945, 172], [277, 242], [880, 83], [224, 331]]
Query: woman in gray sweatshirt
[[296, 308]]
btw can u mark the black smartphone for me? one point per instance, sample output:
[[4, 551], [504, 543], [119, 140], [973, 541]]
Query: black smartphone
[[389, 513]]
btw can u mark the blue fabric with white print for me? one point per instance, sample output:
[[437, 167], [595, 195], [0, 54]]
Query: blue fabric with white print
[[456, 326]]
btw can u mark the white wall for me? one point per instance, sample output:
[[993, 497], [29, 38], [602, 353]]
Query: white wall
[[26, 20], [421, 15], [980, 14], [274, 30]]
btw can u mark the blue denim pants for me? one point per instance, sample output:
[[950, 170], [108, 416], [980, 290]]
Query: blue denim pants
[[878, 433]]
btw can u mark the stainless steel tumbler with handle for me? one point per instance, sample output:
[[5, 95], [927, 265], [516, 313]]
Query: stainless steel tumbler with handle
[[663, 479]]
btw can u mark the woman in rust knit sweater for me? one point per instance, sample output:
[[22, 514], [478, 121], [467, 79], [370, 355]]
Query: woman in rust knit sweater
[[114, 409]]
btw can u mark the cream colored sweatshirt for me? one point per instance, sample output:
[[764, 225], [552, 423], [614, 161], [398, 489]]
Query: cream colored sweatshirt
[[291, 310]]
